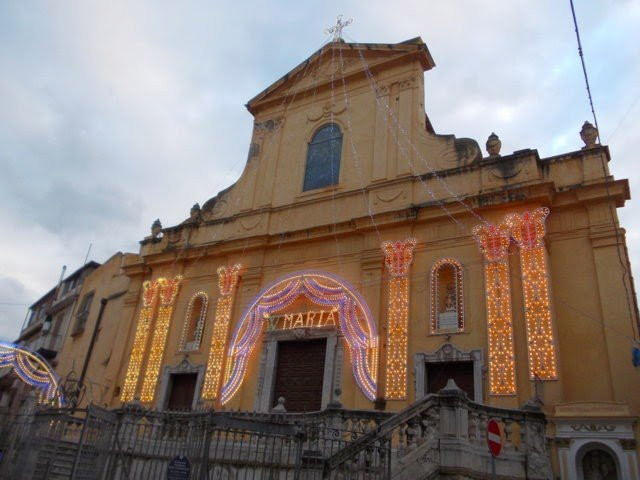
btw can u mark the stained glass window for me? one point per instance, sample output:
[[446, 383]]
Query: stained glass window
[[323, 158]]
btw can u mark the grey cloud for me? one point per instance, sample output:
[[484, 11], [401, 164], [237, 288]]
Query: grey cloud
[[115, 113]]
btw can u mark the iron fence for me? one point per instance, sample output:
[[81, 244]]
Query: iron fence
[[96, 443]]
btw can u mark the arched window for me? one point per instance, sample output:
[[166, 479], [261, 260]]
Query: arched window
[[323, 158], [194, 322], [447, 307], [599, 464]]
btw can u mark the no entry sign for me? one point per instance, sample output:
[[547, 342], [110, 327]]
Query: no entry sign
[[494, 439]]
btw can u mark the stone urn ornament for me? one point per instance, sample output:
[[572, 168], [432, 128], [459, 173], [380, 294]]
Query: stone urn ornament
[[493, 145], [589, 135], [156, 229], [195, 214]]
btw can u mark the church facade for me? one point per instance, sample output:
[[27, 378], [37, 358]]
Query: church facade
[[363, 259]]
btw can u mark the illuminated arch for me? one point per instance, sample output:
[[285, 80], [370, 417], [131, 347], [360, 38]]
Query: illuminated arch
[[321, 288], [33, 370]]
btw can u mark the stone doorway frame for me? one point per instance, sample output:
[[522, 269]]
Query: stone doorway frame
[[576, 436], [269, 357], [449, 353], [185, 366]]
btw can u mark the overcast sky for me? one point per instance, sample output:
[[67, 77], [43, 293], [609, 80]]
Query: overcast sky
[[115, 113]]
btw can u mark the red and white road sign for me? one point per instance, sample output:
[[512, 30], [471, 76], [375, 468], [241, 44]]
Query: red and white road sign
[[494, 439]]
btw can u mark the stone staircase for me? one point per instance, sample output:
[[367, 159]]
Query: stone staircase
[[444, 436]]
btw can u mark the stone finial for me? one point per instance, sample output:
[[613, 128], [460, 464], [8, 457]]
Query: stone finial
[[279, 408], [589, 135], [493, 145], [195, 214], [156, 229], [451, 388]]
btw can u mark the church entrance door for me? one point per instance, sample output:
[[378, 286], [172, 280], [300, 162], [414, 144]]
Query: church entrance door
[[438, 373], [300, 374], [182, 390]]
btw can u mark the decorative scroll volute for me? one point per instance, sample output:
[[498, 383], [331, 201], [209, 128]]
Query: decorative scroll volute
[[149, 293], [493, 241], [399, 256], [228, 279], [528, 229], [169, 290]]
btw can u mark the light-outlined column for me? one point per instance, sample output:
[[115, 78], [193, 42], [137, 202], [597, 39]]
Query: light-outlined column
[[493, 241], [168, 294], [149, 298], [528, 230], [227, 282], [398, 259]]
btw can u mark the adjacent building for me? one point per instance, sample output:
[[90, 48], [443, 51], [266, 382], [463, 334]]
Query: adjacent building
[[45, 328]]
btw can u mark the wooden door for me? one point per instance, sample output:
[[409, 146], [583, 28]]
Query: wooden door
[[183, 387], [300, 374], [461, 372]]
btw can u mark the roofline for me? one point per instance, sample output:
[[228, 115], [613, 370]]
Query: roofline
[[428, 62], [74, 274]]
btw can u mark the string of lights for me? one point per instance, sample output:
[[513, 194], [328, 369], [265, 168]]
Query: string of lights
[[149, 298], [528, 231], [327, 290], [168, 293], [493, 242], [398, 259], [436, 269], [196, 327], [227, 282], [34, 371]]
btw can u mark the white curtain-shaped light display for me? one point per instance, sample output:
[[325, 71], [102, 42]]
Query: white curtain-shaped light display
[[493, 241], [528, 230], [227, 281], [168, 293], [149, 298], [325, 290], [398, 259]]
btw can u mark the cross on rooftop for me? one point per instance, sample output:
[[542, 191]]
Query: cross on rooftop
[[336, 30]]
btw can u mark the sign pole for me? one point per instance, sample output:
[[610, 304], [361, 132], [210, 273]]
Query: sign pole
[[493, 467]]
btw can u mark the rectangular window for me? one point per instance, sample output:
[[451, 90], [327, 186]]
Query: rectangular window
[[83, 313]]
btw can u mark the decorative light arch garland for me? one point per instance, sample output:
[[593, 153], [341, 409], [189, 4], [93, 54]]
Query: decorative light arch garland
[[494, 244], [33, 370], [168, 293], [528, 231], [323, 289], [227, 282], [458, 281], [149, 298], [199, 323], [398, 259]]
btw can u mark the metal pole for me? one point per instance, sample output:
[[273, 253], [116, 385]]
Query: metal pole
[[206, 447], [493, 467], [85, 366]]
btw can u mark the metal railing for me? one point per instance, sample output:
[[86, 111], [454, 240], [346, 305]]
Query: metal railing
[[439, 434]]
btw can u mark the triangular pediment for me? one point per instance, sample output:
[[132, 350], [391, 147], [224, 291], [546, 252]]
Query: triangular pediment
[[339, 60]]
